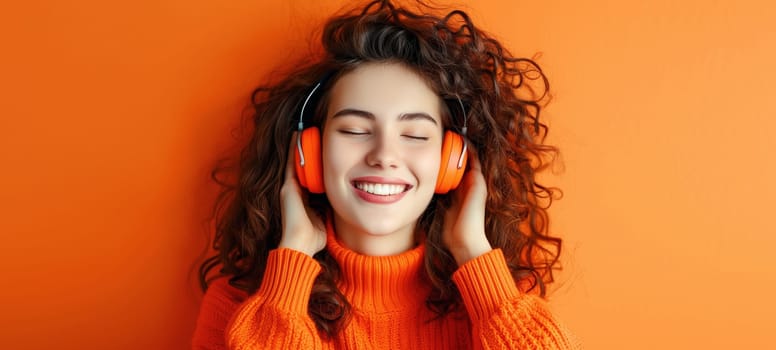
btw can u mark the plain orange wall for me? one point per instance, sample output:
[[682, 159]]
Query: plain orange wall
[[114, 112]]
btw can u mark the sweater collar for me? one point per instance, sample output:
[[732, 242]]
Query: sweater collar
[[379, 283]]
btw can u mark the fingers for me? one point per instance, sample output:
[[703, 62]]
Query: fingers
[[290, 166], [474, 179], [474, 158], [290, 193]]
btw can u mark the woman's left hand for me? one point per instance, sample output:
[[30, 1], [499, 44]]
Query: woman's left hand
[[464, 228]]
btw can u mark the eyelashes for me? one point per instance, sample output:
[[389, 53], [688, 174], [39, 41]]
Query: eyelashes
[[359, 133], [352, 132]]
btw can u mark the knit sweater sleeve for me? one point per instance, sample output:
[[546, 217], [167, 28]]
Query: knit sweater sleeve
[[273, 318], [219, 304], [502, 317], [276, 316]]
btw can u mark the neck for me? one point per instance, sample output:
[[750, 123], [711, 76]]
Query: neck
[[365, 243]]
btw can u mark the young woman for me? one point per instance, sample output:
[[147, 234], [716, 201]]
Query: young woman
[[387, 198]]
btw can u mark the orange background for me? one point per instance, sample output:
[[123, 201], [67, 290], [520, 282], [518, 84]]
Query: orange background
[[114, 112]]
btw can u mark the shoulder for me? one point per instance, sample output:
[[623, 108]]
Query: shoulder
[[220, 289], [219, 304], [221, 301]]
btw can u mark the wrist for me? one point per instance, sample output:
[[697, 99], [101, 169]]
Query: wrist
[[472, 249], [306, 246]]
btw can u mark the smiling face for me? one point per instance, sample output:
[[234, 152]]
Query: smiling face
[[382, 141]]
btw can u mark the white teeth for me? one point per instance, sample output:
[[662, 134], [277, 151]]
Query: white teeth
[[381, 189]]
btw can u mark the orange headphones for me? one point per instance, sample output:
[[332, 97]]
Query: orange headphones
[[309, 163]]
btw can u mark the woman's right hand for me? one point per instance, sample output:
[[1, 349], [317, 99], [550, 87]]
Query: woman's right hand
[[303, 229]]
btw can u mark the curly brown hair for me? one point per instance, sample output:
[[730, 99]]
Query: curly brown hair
[[503, 97]]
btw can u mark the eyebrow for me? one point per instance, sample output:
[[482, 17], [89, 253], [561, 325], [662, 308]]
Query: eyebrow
[[368, 115]]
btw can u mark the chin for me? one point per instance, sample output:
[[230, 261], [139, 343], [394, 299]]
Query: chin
[[385, 226], [380, 224]]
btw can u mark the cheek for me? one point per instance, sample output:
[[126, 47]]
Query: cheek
[[428, 162], [337, 159], [330, 163]]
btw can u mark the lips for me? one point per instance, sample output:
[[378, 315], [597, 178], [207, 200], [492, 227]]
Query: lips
[[380, 189]]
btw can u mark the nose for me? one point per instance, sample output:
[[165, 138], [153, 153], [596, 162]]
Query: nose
[[383, 153]]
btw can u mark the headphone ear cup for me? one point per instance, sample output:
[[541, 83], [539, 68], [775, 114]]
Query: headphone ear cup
[[449, 174], [311, 174]]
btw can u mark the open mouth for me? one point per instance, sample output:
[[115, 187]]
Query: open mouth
[[381, 189]]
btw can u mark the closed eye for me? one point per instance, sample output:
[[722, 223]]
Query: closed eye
[[418, 138], [352, 132]]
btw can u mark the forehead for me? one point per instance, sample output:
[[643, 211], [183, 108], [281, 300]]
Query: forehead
[[385, 90]]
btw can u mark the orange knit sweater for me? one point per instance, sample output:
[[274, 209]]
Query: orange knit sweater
[[388, 296]]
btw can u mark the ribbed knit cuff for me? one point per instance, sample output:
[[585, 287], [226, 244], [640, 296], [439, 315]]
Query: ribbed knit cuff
[[288, 280], [485, 284]]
